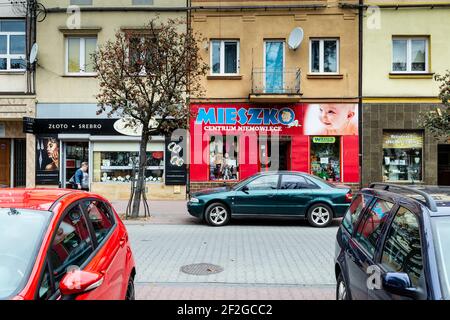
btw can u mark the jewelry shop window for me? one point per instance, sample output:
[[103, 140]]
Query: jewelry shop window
[[113, 163], [326, 158], [223, 158], [402, 155]]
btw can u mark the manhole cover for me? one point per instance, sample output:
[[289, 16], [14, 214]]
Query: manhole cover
[[201, 269]]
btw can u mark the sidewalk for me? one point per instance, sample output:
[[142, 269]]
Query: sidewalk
[[161, 212]]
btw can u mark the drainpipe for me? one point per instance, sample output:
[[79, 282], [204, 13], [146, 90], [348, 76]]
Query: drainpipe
[[360, 88], [187, 152]]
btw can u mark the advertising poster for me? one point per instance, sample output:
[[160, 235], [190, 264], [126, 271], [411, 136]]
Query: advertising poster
[[331, 119], [47, 160]]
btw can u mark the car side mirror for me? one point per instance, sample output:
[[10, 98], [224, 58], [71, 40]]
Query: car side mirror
[[79, 281], [244, 189], [400, 284]]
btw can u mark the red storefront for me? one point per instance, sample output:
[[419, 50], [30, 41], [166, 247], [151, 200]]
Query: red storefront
[[230, 142]]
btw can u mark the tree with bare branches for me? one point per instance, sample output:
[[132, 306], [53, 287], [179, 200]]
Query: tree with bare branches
[[146, 75]]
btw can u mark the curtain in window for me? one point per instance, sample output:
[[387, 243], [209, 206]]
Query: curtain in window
[[230, 57], [274, 67]]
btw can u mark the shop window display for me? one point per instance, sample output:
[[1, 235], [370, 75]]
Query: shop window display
[[325, 158], [223, 153], [117, 166], [402, 156]]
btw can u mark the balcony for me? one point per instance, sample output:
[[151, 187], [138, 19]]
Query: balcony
[[279, 86]]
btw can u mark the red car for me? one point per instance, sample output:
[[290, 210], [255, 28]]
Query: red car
[[63, 244]]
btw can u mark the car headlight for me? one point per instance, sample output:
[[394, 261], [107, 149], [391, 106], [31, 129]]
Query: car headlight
[[194, 200]]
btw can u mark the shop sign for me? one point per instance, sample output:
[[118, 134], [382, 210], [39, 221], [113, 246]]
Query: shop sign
[[402, 140], [84, 126], [324, 139], [246, 116], [124, 127], [2, 130], [176, 173], [47, 160]]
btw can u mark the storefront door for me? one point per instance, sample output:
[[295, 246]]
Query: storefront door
[[5, 160], [444, 164], [75, 153]]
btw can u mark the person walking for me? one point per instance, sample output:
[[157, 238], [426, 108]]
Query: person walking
[[81, 177]]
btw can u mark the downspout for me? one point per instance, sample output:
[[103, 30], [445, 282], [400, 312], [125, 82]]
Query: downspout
[[360, 89], [188, 102]]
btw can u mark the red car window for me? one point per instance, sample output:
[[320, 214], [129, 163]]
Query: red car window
[[101, 218], [72, 244]]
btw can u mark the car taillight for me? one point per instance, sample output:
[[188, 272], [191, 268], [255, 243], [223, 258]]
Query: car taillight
[[349, 197]]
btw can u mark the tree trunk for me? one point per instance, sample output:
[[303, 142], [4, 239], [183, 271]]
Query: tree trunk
[[141, 175]]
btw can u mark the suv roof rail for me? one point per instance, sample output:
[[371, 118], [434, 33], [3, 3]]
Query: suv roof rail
[[429, 201]]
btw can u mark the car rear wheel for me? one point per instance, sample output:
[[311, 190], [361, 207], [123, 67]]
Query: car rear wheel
[[320, 215], [217, 215], [130, 290], [341, 289]]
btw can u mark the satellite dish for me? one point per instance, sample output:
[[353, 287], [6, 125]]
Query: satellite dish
[[33, 53], [295, 38]]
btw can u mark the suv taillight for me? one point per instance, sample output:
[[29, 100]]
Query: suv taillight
[[349, 197]]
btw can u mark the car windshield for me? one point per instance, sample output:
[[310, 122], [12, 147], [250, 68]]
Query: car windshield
[[21, 234], [441, 226]]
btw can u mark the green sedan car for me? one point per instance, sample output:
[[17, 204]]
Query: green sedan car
[[273, 194]]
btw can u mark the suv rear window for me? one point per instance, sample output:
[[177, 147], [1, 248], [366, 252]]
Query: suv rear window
[[369, 230], [360, 202]]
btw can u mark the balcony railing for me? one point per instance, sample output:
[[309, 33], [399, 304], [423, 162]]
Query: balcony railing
[[284, 81]]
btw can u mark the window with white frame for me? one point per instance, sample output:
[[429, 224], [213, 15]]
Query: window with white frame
[[79, 52], [12, 45], [410, 55], [324, 56], [139, 51], [224, 57]]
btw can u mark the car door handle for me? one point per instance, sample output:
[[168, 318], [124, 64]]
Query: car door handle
[[271, 195]]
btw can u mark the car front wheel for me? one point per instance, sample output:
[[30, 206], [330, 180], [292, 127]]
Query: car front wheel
[[130, 290], [217, 215], [320, 215], [341, 289]]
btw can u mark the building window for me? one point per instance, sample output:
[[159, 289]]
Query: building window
[[274, 72], [402, 156], [223, 158], [410, 55], [138, 51], [79, 51], [142, 2], [117, 166], [12, 45], [81, 2], [224, 57], [324, 56], [326, 158]]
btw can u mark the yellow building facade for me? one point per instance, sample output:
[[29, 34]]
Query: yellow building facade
[[292, 58], [68, 129], [405, 46]]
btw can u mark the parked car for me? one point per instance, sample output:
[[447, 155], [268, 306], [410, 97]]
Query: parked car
[[394, 243], [273, 194], [62, 244]]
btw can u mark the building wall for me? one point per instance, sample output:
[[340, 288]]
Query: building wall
[[399, 116], [395, 102], [15, 104], [64, 93], [251, 27], [377, 57], [53, 85]]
